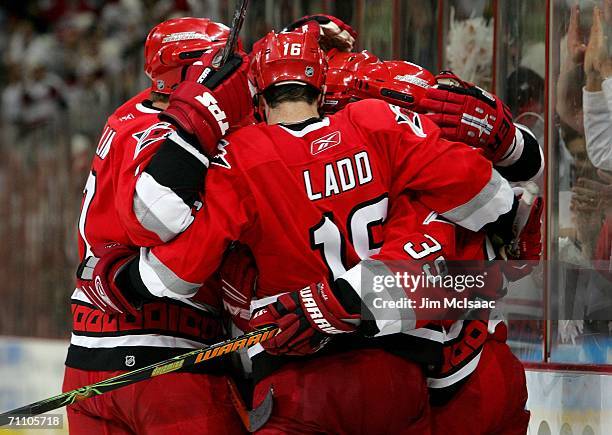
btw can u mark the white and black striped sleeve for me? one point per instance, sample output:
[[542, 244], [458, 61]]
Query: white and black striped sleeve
[[524, 160], [169, 188]]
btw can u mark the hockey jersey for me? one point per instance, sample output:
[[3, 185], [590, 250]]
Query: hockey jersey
[[311, 198], [416, 238], [123, 202], [419, 237]]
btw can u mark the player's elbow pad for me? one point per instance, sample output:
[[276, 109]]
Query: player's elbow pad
[[169, 188], [526, 161]]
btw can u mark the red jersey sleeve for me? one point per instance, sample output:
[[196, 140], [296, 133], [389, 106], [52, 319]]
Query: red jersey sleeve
[[178, 268], [450, 178], [159, 183]]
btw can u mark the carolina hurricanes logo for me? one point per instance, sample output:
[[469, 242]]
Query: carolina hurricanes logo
[[326, 142], [219, 159], [403, 116], [155, 133]]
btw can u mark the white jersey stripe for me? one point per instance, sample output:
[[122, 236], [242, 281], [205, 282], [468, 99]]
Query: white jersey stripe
[[152, 340], [455, 377], [309, 128], [159, 209], [495, 198]]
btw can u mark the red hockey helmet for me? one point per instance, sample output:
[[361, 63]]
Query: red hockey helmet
[[356, 76], [341, 75], [178, 42], [290, 57], [396, 81]]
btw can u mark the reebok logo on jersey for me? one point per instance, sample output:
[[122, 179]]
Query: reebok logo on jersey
[[314, 312], [208, 101], [324, 143]]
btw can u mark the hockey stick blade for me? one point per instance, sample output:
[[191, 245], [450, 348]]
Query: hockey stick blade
[[232, 39], [255, 418], [170, 365]]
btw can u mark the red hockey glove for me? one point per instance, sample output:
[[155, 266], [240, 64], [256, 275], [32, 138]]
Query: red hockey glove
[[526, 251], [210, 101], [335, 33], [96, 277], [238, 274], [466, 113], [307, 319]]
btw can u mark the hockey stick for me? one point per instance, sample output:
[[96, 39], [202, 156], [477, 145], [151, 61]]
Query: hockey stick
[[170, 365], [237, 22]]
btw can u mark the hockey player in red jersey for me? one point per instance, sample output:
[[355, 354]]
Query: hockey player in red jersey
[[476, 371], [464, 111], [130, 200], [353, 164]]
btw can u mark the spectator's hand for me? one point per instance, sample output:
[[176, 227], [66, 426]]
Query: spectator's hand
[[584, 199], [596, 59], [607, 5], [568, 108], [592, 195], [575, 46]]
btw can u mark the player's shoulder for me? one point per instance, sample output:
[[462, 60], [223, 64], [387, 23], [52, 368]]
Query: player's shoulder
[[136, 110], [250, 136], [377, 115], [246, 146], [367, 110], [134, 124]]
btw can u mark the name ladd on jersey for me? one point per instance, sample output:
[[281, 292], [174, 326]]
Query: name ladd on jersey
[[338, 177]]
